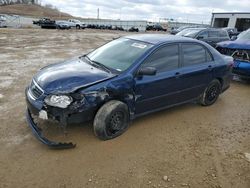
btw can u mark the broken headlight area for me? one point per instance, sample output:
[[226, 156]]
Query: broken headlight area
[[60, 101]]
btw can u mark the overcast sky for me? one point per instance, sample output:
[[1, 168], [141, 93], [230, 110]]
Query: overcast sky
[[181, 10]]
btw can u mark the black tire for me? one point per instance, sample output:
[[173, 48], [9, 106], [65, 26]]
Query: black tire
[[211, 93], [111, 120], [78, 27]]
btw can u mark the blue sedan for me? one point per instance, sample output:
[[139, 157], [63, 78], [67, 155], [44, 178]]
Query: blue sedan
[[124, 79]]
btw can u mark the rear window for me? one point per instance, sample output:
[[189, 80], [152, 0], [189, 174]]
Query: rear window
[[223, 33]]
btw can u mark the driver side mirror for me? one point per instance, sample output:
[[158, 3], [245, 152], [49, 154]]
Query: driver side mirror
[[150, 71]]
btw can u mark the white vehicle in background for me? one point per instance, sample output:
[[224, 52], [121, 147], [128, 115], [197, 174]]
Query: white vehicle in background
[[76, 23], [3, 21]]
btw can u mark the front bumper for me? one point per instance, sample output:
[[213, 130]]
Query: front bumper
[[38, 134], [241, 68], [64, 116]]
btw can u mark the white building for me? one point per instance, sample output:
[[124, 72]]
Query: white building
[[239, 20]]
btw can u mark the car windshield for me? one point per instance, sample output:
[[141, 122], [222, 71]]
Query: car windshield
[[245, 35], [119, 54], [189, 32]]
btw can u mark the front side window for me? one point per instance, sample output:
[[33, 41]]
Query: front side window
[[193, 54], [119, 54], [203, 34], [164, 59]]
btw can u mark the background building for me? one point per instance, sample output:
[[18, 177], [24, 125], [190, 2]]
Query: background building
[[239, 20]]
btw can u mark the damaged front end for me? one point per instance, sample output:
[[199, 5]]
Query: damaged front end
[[241, 57], [38, 134], [74, 107]]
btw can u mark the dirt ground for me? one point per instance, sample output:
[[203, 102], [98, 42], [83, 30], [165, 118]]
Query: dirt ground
[[186, 146]]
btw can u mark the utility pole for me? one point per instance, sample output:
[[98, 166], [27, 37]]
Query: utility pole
[[98, 13], [120, 13]]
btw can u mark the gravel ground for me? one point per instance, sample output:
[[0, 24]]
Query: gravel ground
[[186, 146]]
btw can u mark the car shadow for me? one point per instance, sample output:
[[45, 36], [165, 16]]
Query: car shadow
[[239, 80]]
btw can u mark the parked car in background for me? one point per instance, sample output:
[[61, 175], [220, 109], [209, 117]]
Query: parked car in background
[[124, 79], [175, 30], [133, 29], [158, 27], [46, 23], [62, 25], [155, 27], [120, 28], [209, 35], [3, 21], [76, 23], [149, 27], [231, 31], [239, 49]]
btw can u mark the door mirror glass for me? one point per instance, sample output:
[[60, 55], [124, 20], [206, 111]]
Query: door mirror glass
[[150, 71], [233, 37]]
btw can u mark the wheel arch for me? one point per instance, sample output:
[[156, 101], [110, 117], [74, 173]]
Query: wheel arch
[[128, 103], [220, 80]]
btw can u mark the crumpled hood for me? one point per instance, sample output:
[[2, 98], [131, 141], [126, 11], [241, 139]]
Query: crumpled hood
[[70, 75], [237, 44]]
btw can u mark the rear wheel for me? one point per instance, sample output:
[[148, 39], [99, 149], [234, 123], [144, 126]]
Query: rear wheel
[[211, 93], [111, 120], [78, 27]]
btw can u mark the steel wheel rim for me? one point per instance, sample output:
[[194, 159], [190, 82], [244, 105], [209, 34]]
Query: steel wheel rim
[[116, 123], [212, 93]]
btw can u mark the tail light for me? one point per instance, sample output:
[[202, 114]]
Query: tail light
[[230, 64]]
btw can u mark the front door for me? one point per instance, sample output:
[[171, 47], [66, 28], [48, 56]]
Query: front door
[[157, 91]]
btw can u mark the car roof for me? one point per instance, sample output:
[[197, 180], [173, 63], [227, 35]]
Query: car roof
[[159, 38]]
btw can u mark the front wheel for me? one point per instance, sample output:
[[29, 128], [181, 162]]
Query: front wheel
[[211, 93], [111, 120]]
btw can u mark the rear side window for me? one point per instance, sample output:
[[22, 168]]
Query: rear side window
[[209, 56], [193, 54], [213, 34], [164, 59]]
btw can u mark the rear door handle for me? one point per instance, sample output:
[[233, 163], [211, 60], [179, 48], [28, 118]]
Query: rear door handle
[[177, 74], [210, 67]]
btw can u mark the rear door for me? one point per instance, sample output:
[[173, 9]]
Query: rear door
[[196, 70]]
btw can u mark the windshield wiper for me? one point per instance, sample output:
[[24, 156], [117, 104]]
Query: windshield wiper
[[97, 64], [86, 57], [102, 66]]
